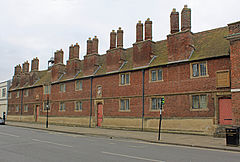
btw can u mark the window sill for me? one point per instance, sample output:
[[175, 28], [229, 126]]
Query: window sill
[[199, 109], [77, 110], [61, 110], [158, 110], [124, 84], [156, 81], [205, 76], [124, 110]]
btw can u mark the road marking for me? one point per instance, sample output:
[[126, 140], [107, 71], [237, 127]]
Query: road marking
[[132, 157], [6, 134], [59, 144]]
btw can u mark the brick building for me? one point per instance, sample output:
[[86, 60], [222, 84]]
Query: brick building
[[196, 73]]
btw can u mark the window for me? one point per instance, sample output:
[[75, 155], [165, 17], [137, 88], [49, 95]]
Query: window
[[62, 106], [124, 105], [155, 103], [45, 106], [78, 106], [25, 108], [18, 93], [62, 88], [47, 89], [156, 75], [78, 85], [125, 79], [26, 92], [3, 92], [199, 69], [17, 108], [199, 101]]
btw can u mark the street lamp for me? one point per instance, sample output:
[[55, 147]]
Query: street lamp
[[47, 111]]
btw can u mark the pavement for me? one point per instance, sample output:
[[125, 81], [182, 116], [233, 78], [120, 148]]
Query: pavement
[[200, 141]]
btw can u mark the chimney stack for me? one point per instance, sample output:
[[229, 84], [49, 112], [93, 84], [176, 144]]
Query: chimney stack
[[58, 57], [113, 35], [35, 64], [95, 45], [71, 52], [89, 46], [139, 31], [119, 38], [174, 21], [25, 66], [17, 70], [148, 29], [186, 18], [76, 51]]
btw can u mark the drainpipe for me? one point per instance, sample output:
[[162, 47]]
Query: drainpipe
[[143, 77], [90, 104], [21, 102]]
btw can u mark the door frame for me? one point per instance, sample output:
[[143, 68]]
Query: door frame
[[96, 102]]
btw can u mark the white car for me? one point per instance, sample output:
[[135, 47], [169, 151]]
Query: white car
[[2, 122]]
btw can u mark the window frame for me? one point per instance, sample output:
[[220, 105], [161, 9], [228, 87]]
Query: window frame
[[64, 87], [125, 105], [80, 85], [48, 88], [4, 92], [199, 102], [75, 106], [125, 79], [17, 108], [158, 99], [45, 104], [17, 94], [64, 107], [157, 75], [25, 108], [25, 93], [199, 69]]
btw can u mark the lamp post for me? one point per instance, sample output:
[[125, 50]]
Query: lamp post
[[160, 120], [47, 110]]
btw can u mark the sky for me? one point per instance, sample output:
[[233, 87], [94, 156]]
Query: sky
[[37, 28]]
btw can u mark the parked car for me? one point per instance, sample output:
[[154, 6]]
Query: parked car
[[2, 122]]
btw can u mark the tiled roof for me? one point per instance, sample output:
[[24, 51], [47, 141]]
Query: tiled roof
[[207, 44]]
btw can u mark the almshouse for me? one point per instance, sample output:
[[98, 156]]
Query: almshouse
[[197, 74]]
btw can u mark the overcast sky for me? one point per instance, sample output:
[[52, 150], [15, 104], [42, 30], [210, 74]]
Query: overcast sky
[[37, 28]]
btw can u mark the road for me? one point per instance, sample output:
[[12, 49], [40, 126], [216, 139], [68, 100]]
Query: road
[[31, 145]]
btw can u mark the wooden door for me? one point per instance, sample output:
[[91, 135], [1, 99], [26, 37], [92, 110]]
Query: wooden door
[[36, 113], [99, 114], [225, 112]]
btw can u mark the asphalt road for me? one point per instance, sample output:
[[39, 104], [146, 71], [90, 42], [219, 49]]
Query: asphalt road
[[31, 145]]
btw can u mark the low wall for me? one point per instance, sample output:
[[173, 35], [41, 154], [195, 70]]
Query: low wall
[[179, 125]]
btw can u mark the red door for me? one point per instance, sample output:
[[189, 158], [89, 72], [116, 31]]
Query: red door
[[36, 113], [225, 112], [99, 114]]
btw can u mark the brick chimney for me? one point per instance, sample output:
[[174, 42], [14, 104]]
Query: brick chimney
[[76, 51], [58, 57], [119, 38], [25, 66], [139, 31], [113, 36], [95, 45], [71, 49], [174, 21], [35, 64], [186, 18], [234, 39], [58, 67], [148, 29], [89, 46], [17, 70]]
